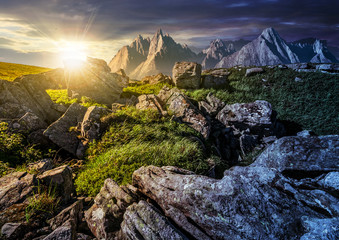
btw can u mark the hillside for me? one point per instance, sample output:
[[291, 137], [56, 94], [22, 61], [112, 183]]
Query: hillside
[[141, 146], [10, 71]]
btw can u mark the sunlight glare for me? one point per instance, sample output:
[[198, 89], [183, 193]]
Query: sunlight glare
[[73, 54]]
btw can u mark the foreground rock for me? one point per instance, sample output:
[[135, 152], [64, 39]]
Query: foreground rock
[[155, 79], [105, 216], [144, 221], [258, 117], [183, 109], [26, 95], [253, 71], [15, 188], [150, 101], [266, 200], [95, 80], [187, 75], [60, 132], [215, 78]]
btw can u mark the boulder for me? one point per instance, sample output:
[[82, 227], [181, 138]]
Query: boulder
[[256, 116], [28, 123], [215, 78], [61, 233], [72, 213], [253, 71], [26, 95], [260, 201], [143, 221], [187, 75], [59, 132], [14, 188], [13, 214], [155, 79], [41, 166], [61, 178], [91, 126], [183, 109], [13, 231], [150, 101], [95, 80], [105, 216], [211, 106]]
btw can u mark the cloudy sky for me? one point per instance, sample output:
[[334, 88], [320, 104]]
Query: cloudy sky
[[31, 31]]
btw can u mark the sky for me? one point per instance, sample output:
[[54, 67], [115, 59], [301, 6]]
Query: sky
[[33, 31]]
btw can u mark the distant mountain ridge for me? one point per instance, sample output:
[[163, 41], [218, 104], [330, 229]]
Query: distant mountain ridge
[[149, 57], [145, 56], [270, 49]]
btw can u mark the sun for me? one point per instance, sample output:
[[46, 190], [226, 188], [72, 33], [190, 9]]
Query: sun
[[73, 54]]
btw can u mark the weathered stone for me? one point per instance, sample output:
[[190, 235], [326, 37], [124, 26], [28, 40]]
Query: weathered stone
[[215, 78], [29, 123], [105, 216], [187, 75], [14, 213], [61, 177], [320, 229], [212, 105], [248, 143], [150, 101], [14, 188], [183, 109], [61, 233], [72, 213], [256, 116], [26, 95], [94, 80], [41, 166], [261, 201], [253, 71], [155, 79], [13, 231], [82, 236], [91, 126], [124, 80], [59, 132], [305, 133], [144, 221]]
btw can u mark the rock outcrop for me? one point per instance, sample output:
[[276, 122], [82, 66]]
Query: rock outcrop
[[26, 95], [215, 78], [155, 79], [60, 132], [95, 80], [184, 110], [267, 200], [187, 75], [151, 101]]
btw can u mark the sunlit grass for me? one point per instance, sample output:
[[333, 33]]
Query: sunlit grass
[[10, 71]]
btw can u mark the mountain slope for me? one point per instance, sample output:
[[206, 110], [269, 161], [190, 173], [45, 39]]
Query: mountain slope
[[312, 50], [216, 51], [268, 49], [129, 57], [159, 56]]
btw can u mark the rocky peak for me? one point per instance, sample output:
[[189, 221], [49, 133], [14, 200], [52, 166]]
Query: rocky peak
[[270, 33], [216, 51]]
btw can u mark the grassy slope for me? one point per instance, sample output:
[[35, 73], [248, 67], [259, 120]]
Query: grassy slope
[[10, 71]]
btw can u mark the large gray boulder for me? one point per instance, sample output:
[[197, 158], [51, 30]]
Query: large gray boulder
[[61, 179], [60, 131], [143, 221], [95, 80], [91, 126], [180, 105], [26, 95], [106, 214], [215, 78], [256, 116], [266, 200], [187, 75], [15, 188]]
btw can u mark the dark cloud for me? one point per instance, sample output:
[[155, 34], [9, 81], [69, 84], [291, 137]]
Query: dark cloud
[[203, 20]]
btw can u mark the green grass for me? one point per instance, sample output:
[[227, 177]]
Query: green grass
[[313, 103], [10, 71], [138, 89], [60, 96], [139, 138]]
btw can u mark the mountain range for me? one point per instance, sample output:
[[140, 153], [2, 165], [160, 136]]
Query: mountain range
[[145, 56]]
